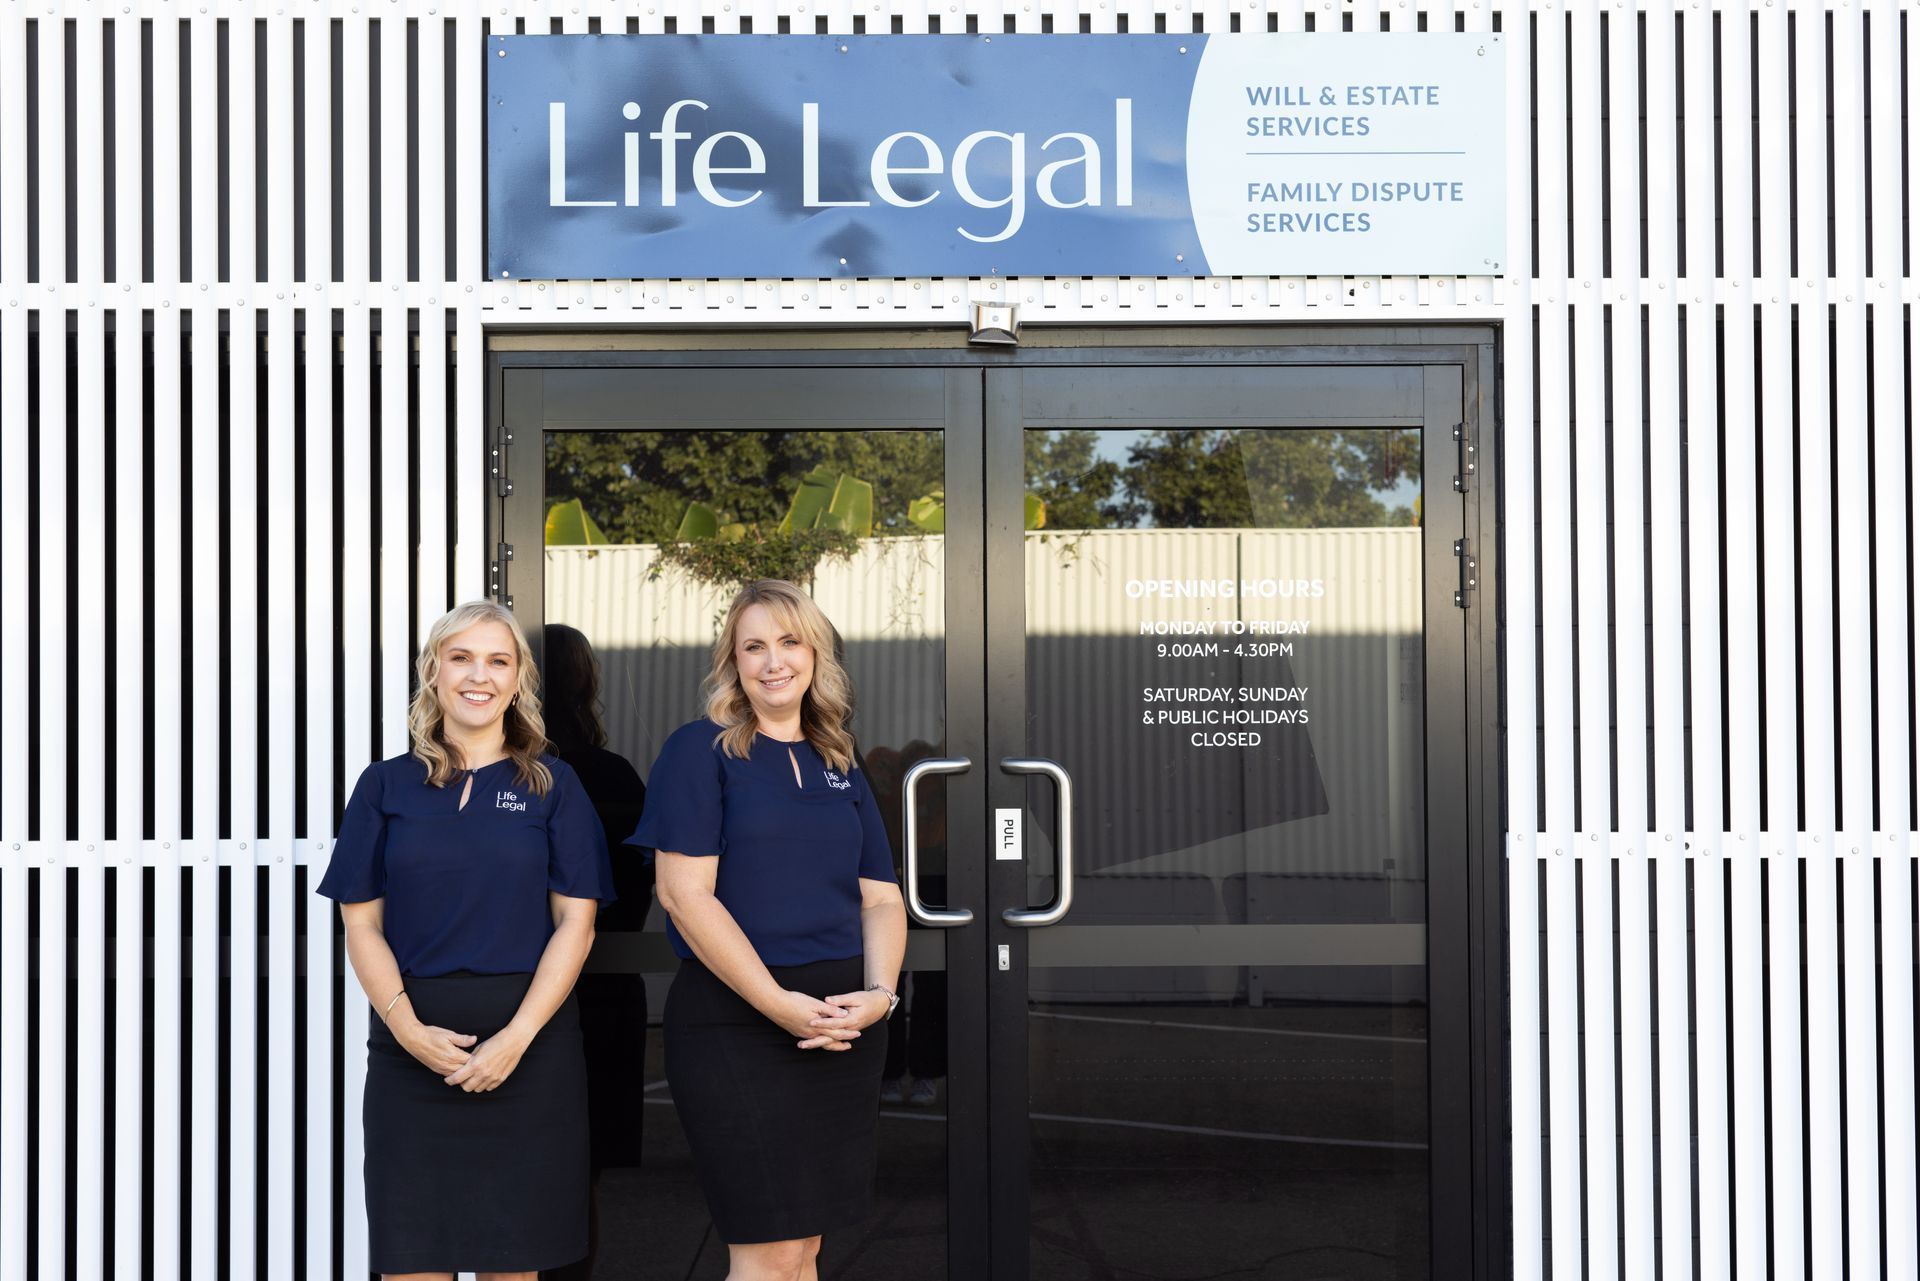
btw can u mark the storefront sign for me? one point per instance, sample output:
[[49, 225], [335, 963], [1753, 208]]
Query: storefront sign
[[811, 156]]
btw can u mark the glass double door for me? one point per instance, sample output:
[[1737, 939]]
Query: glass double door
[[1153, 667]]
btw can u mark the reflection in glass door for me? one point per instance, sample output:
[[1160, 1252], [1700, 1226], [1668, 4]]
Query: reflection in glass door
[[647, 531], [1226, 1031], [1224, 639]]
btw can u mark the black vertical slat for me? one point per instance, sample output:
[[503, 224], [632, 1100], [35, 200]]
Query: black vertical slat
[[304, 666], [299, 144], [231, 346], [450, 161], [30, 55], [70, 114], [184, 123], [413, 149], [147, 210], [1605, 56], [223, 146], [336, 37], [36, 1116], [1714, 867], [110, 142], [37, 822], [76, 503], [264, 232], [376, 141]]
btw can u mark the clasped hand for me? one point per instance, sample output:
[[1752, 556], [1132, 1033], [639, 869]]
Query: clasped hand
[[459, 1061], [832, 1023]]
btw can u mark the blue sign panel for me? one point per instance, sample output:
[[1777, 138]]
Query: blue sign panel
[[819, 156]]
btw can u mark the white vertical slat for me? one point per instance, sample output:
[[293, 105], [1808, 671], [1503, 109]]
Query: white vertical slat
[[1675, 1149], [1710, 1053], [1554, 500], [1891, 532], [1854, 659], [1600, 1029], [1747, 1243], [471, 553], [1676, 1112], [1557, 648], [15, 1044], [1636, 1043], [89, 651], [1743, 793], [1782, 679], [204, 501], [1665, 444], [319, 694], [1775, 363], [1523, 1023], [1622, 360], [356, 551], [1563, 1060], [277, 842], [1823, 1083], [131, 608], [435, 472], [1629, 459], [1783, 1051], [1588, 505], [51, 483], [242, 729], [356, 619], [169, 805], [1523, 816], [1817, 747], [396, 478], [1896, 1033]]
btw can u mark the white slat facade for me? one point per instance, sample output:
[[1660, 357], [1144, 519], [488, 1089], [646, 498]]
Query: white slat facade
[[243, 306]]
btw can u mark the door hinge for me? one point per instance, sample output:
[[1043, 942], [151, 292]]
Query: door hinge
[[498, 469], [1467, 461], [497, 571], [1469, 573]]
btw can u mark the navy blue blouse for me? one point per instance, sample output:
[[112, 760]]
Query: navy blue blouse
[[466, 889], [792, 854]]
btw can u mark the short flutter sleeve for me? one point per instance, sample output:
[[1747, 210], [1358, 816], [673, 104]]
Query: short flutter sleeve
[[876, 852], [684, 805], [577, 864], [357, 871]]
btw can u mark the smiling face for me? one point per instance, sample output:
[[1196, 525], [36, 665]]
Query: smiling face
[[774, 664], [479, 674]]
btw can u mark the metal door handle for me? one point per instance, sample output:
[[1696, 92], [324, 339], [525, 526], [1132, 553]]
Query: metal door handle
[[1063, 844], [943, 917]]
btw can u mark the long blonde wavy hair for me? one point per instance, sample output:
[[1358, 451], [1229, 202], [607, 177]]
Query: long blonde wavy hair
[[827, 704], [525, 730]]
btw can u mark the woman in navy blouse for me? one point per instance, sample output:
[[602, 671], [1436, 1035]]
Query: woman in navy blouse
[[775, 873], [467, 872]]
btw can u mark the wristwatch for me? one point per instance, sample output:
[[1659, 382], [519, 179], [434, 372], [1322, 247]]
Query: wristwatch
[[893, 1002]]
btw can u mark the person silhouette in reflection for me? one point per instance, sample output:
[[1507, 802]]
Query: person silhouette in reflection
[[613, 1006], [917, 1035]]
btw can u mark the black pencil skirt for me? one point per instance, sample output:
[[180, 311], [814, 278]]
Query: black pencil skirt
[[782, 1138], [493, 1182]]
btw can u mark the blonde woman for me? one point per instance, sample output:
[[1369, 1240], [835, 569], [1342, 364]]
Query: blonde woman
[[773, 866], [467, 872]]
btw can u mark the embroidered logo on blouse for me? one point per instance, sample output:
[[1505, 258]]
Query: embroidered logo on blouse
[[835, 781], [508, 801]]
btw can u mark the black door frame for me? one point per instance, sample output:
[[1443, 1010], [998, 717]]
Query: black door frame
[[1468, 1050]]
